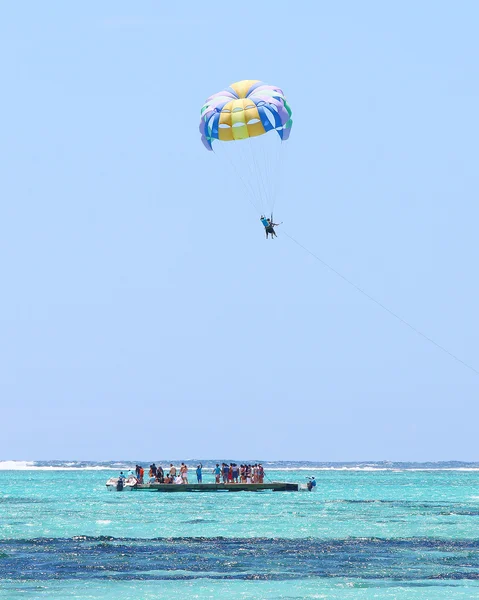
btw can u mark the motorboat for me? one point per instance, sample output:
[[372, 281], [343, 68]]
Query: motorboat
[[120, 484]]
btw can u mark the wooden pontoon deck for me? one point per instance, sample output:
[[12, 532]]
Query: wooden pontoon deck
[[275, 486]]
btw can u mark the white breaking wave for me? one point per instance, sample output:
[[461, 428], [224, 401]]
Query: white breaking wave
[[16, 465], [373, 469], [271, 468], [24, 465]]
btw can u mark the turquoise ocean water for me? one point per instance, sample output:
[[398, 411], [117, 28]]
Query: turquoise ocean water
[[401, 531]]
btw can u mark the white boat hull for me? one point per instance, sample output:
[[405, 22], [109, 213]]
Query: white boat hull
[[128, 485]]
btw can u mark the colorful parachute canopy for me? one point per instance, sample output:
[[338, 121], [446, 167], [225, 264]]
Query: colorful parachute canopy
[[246, 109]]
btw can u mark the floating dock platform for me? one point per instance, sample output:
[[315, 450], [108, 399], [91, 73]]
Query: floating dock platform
[[275, 486]]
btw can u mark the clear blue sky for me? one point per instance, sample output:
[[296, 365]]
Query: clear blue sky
[[142, 312]]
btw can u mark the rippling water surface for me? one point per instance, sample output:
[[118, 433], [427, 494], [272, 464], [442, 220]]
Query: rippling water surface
[[371, 531]]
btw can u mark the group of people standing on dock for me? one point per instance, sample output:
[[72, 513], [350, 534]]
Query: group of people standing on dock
[[233, 473], [173, 475], [226, 473]]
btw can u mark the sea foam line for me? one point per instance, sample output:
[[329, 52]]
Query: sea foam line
[[18, 465]]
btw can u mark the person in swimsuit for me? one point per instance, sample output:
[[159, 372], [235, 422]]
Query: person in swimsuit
[[235, 473], [160, 475], [217, 473], [225, 473], [184, 473], [261, 473]]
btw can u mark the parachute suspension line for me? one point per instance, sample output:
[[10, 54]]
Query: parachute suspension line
[[263, 161], [251, 179], [381, 305], [258, 175], [242, 149], [249, 176], [249, 190], [264, 165], [268, 164], [279, 168]]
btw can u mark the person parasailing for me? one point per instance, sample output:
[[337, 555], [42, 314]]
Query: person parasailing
[[269, 226], [258, 113]]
